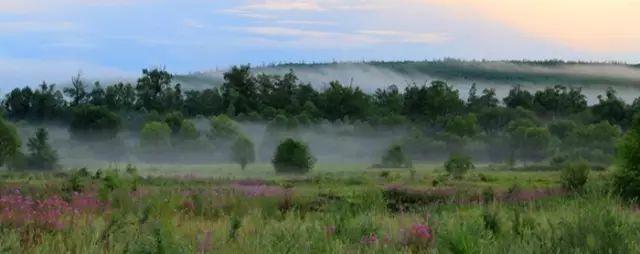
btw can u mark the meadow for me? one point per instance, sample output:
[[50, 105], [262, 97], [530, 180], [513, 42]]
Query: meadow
[[332, 209]]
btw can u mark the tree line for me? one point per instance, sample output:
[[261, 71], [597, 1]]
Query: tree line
[[553, 122]]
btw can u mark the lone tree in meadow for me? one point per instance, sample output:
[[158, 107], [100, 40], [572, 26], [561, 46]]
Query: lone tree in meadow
[[9, 141], [293, 156], [243, 151], [41, 155], [395, 157]]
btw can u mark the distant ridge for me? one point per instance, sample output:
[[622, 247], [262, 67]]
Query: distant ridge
[[508, 72]]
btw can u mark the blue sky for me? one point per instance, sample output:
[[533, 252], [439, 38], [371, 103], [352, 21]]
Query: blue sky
[[53, 39]]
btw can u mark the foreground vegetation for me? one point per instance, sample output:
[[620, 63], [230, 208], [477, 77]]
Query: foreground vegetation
[[532, 173], [356, 211]]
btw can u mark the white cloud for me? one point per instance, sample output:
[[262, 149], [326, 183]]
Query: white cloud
[[403, 36], [284, 5], [306, 22], [275, 36], [31, 6]]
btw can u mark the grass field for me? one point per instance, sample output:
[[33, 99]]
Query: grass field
[[333, 209]]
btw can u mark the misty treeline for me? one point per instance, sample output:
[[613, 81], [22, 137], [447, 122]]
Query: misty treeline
[[430, 121]]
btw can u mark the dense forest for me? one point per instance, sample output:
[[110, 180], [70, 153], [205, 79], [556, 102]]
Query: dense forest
[[429, 121]]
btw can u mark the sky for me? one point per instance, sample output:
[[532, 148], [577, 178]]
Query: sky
[[114, 39]]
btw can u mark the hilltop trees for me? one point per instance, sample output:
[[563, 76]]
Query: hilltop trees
[[432, 103]]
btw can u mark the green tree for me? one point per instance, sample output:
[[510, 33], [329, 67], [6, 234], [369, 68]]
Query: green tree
[[611, 108], [562, 128], [477, 103], [626, 180], [292, 156], [433, 104], [155, 135], [345, 102], [94, 123], [120, 97], [188, 131], [154, 91], [174, 120], [239, 91], [463, 126], [9, 141], [243, 151], [77, 91], [41, 155], [223, 129], [518, 97]]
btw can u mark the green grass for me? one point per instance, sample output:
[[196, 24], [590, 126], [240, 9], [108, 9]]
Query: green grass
[[334, 209]]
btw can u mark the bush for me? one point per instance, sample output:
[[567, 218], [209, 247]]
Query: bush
[[395, 158], [292, 156], [574, 176], [243, 151], [457, 165]]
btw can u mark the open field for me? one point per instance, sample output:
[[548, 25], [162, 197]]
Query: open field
[[333, 209]]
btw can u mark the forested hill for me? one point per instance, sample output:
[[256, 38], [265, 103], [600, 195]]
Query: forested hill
[[371, 75]]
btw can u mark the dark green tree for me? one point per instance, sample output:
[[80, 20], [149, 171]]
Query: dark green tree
[[292, 156], [77, 91], [239, 91], [9, 141], [41, 155], [94, 123], [518, 97]]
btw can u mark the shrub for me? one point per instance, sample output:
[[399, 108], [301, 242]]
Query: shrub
[[292, 156], [457, 165], [395, 158], [243, 151], [574, 176]]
